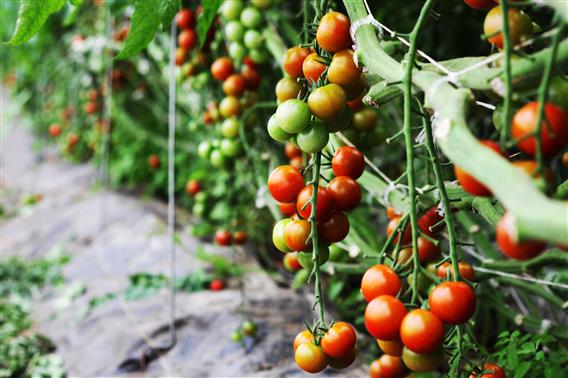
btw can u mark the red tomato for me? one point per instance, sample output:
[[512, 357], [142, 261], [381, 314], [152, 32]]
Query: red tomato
[[496, 371], [234, 85], [293, 60], [393, 213], [335, 229], [421, 331], [387, 367], [553, 131], [313, 68], [468, 182], [380, 280], [55, 130], [406, 235], [181, 54], [333, 32], [284, 183], [185, 18], [339, 340], [383, 317], [223, 237], [187, 39], [343, 71], [192, 187], [291, 151], [303, 337], [343, 362], [453, 302], [251, 77], [297, 235], [429, 219], [391, 347], [348, 161], [324, 203], [222, 68], [512, 248], [480, 4], [345, 192], [291, 262], [466, 271], [287, 209], [90, 107], [240, 237], [216, 285], [154, 161], [310, 358], [427, 251]]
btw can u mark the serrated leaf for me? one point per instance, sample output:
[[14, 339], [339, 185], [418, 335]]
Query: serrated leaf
[[168, 9], [210, 9], [145, 23], [32, 14]]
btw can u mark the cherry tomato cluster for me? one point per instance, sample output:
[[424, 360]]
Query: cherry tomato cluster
[[342, 193], [225, 238], [334, 347], [187, 38]]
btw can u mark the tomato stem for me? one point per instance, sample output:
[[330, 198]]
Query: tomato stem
[[314, 236], [508, 94]]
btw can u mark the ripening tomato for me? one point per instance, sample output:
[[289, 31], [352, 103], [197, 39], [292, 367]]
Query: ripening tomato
[[513, 248], [480, 4], [466, 271], [365, 119], [345, 192], [310, 358], [520, 26], [303, 337], [429, 219], [278, 235], [314, 138], [234, 85], [154, 161], [379, 280], [55, 130], [297, 235], [287, 88], [324, 203], [297, 162], [229, 106], [240, 237], [335, 229], [468, 182], [383, 317], [291, 262], [293, 116], [393, 213], [251, 77], [530, 167], [223, 237], [333, 32], [496, 371], [192, 187], [327, 102], [427, 250], [391, 347], [344, 361], [313, 67], [406, 235], [222, 68], [185, 18], [216, 285], [348, 161], [422, 362], [421, 331], [291, 151], [187, 39], [343, 70], [90, 107], [181, 54], [284, 183], [387, 366], [287, 209], [453, 302], [553, 130], [293, 60], [339, 340]]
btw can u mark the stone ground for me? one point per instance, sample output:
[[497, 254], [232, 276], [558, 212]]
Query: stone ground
[[133, 240]]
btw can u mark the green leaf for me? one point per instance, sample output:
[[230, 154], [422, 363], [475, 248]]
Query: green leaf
[[522, 369], [76, 3], [210, 9], [145, 23], [168, 9], [31, 17]]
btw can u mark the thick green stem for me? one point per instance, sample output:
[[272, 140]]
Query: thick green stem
[[314, 234], [507, 49]]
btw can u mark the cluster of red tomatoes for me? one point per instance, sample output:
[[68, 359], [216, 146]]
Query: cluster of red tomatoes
[[187, 38], [342, 193], [334, 347], [321, 90]]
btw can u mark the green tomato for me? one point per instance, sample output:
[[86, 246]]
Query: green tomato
[[201, 197], [278, 235], [204, 149], [230, 147], [314, 139], [262, 4], [422, 362], [230, 127], [275, 131], [300, 278], [251, 17], [336, 253], [217, 159], [237, 51], [558, 92], [341, 122], [423, 284], [293, 116], [236, 336], [259, 55], [305, 258], [231, 10], [249, 328], [253, 39], [198, 209], [234, 31]]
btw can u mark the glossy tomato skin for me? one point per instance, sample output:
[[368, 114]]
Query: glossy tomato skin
[[380, 280], [393, 213], [453, 302], [284, 183], [229, 106], [327, 102], [383, 317], [324, 203], [496, 371], [291, 262], [348, 161], [278, 233], [427, 250], [429, 219], [339, 340], [344, 361], [222, 68], [422, 362], [187, 39], [313, 68], [333, 32], [514, 249], [240, 237], [343, 70], [193, 187], [310, 358], [391, 347], [387, 366], [520, 25], [223, 237], [303, 337], [234, 85], [185, 18], [406, 235], [554, 135], [293, 115], [335, 229], [297, 162], [181, 54], [480, 4], [468, 182], [466, 271], [314, 138], [421, 331], [293, 60], [287, 209], [297, 235], [345, 192], [287, 88]]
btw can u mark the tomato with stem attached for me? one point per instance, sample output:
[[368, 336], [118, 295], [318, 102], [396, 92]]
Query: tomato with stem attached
[[422, 331], [492, 371], [339, 340], [453, 302], [380, 280], [383, 317], [293, 61], [520, 26], [324, 203], [310, 357], [387, 366], [285, 183], [348, 161], [406, 234], [345, 193], [430, 219], [335, 229], [512, 248], [303, 337], [465, 269], [333, 32], [468, 182], [428, 250], [313, 68], [297, 235], [327, 102]]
